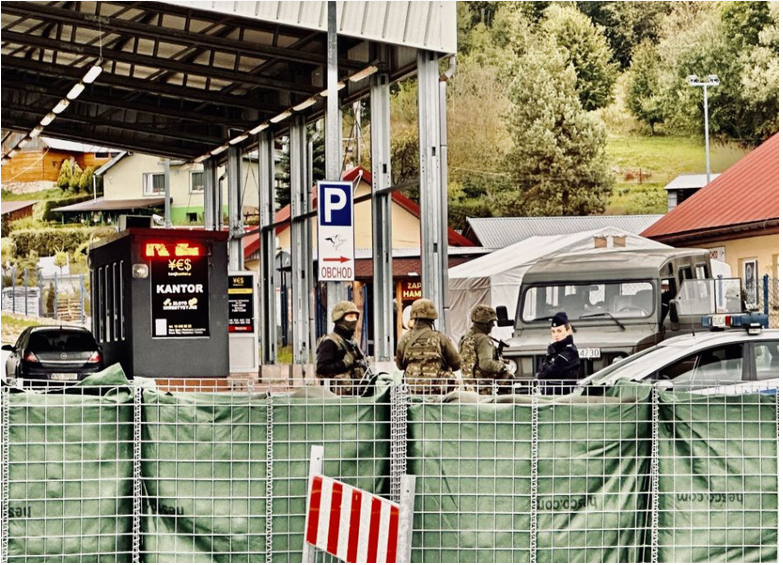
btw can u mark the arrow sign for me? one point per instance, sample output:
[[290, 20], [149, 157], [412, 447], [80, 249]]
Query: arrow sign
[[335, 231]]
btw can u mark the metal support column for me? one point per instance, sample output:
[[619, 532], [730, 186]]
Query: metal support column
[[382, 278], [234, 183], [444, 195], [267, 249], [430, 189], [167, 192], [335, 291], [301, 242], [210, 188]]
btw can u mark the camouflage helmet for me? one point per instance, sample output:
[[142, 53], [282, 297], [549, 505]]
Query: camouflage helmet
[[483, 313], [425, 309], [342, 308]]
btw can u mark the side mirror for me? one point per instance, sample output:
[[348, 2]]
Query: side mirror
[[503, 321], [8, 348]]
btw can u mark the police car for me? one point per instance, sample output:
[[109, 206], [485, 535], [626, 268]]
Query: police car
[[738, 357]]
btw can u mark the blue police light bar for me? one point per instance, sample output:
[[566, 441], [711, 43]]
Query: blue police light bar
[[753, 322]]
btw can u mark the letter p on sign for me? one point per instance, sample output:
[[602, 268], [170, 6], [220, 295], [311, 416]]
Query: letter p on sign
[[334, 199]]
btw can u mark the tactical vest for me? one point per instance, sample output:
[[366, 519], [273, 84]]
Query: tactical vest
[[425, 373], [347, 383]]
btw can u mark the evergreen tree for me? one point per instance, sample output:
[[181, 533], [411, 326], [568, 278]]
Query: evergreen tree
[[64, 179], [85, 180], [76, 177], [558, 163], [587, 51], [645, 93]]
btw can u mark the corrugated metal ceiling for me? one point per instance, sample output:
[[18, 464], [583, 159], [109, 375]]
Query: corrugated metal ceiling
[[181, 78]]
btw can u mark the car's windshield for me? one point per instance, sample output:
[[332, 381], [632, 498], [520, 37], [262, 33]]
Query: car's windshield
[[623, 300]]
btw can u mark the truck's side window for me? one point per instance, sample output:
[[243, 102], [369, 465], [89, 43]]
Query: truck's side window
[[685, 273], [667, 293]]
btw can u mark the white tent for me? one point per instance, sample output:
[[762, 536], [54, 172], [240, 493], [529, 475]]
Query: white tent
[[494, 279]]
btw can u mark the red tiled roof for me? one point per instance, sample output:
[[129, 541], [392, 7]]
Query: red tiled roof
[[747, 193], [251, 243]]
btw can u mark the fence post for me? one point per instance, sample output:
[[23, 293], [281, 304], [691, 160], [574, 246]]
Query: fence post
[[41, 303], [26, 281], [534, 478], [6, 436], [56, 292], [315, 468], [13, 290], [399, 438], [655, 477], [81, 294], [765, 280], [137, 486], [270, 473]]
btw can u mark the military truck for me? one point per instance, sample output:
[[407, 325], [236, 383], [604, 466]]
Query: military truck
[[618, 301]]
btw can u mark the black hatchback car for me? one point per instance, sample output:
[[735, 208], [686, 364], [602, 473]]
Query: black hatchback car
[[47, 357]]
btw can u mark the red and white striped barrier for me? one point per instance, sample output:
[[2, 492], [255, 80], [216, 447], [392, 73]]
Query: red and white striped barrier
[[354, 525], [351, 524]]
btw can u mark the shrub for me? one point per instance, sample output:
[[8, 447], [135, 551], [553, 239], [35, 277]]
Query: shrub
[[49, 205], [49, 241]]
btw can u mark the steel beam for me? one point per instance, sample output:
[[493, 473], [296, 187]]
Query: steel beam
[[235, 231], [267, 247], [382, 274], [301, 242], [433, 243], [335, 291], [210, 187]]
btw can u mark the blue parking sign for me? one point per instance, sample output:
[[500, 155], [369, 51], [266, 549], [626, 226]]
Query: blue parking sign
[[336, 253], [335, 204]]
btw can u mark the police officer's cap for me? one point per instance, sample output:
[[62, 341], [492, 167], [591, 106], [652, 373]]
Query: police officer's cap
[[559, 319]]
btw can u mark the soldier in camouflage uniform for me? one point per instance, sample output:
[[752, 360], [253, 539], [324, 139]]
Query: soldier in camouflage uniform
[[481, 362], [340, 364], [426, 355]]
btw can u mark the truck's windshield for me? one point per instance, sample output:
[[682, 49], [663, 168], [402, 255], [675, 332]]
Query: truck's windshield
[[629, 299]]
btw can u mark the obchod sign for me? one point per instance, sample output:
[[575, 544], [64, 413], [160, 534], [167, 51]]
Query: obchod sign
[[335, 231]]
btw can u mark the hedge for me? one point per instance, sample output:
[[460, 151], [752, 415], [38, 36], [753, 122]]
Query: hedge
[[49, 241], [49, 205]]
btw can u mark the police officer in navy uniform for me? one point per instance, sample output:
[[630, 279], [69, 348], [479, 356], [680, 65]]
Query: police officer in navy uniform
[[560, 368]]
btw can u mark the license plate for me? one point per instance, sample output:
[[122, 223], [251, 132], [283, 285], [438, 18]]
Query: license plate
[[719, 321], [65, 376], [590, 353]]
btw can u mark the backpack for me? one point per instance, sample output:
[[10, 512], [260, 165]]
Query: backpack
[[467, 355]]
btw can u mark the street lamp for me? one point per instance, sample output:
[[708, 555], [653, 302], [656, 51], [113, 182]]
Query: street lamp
[[711, 80]]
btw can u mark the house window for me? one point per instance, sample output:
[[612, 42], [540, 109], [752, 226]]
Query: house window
[[154, 183], [192, 217], [750, 279], [197, 181]]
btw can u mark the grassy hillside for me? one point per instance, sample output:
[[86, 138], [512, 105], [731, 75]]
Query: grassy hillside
[[660, 160]]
